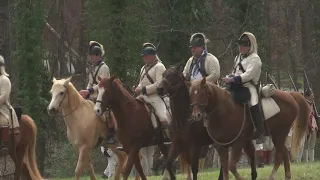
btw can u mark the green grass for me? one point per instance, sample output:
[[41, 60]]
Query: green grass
[[306, 171]]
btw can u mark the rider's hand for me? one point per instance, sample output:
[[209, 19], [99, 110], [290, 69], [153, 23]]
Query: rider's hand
[[138, 90], [227, 80], [84, 93]]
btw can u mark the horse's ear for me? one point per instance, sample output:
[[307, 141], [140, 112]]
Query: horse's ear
[[54, 80], [67, 81], [113, 77], [203, 83]]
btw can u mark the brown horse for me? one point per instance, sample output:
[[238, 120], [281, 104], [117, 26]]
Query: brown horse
[[186, 138], [135, 129], [22, 151], [229, 123]]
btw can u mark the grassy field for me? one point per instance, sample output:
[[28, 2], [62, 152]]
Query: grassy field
[[306, 171]]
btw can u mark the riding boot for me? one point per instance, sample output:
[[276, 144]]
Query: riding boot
[[259, 124], [4, 140], [111, 136], [166, 136]]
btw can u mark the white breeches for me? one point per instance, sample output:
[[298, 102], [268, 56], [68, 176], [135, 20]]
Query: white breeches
[[147, 159], [254, 94], [158, 105]]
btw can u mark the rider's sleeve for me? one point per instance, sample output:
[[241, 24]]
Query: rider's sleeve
[[252, 70], [5, 90], [187, 68], [152, 88], [212, 68], [104, 72]]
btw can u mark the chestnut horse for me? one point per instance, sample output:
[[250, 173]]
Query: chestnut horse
[[229, 123], [22, 151], [186, 138], [85, 130], [135, 129]]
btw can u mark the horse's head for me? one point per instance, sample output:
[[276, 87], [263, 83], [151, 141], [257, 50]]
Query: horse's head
[[199, 96], [58, 92], [106, 94], [171, 81]]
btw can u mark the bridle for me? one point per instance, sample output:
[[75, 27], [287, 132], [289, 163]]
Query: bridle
[[64, 95]]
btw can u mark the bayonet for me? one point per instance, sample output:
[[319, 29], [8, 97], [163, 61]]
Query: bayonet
[[294, 86]]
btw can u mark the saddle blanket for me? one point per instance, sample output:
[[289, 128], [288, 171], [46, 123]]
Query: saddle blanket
[[269, 107]]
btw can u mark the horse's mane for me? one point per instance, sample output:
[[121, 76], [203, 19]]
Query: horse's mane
[[73, 92], [120, 86], [222, 98]]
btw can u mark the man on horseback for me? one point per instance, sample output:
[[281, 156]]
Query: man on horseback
[[98, 69], [246, 72], [202, 64], [150, 77], [8, 117]]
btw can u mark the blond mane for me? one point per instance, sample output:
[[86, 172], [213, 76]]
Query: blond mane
[[223, 98]]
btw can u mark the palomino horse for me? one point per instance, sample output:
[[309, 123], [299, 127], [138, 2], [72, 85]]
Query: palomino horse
[[135, 129], [85, 130], [24, 146], [229, 123], [186, 137]]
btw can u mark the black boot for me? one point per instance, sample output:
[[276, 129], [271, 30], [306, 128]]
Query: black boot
[[166, 136], [111, 136], [259, 124]]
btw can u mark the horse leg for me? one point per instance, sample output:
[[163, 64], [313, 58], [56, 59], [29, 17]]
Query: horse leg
[[90, 170], [170, 157], [250, 152], [122, 159], [18, 160], [224, 159], [286, 163], [195, 153], [132, 158], [277, 161], [83, 153], [138, 166], [235, 157]]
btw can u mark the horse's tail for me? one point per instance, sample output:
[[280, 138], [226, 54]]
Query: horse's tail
[[30, 158], [301, 123]]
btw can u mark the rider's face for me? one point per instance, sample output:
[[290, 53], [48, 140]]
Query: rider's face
[[94, 58], [244, 49], [149, 58], [197, 51]]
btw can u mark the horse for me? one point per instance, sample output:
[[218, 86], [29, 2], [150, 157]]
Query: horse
[[228, 122], [85, 130], [21, 148], [186, 138], [135, 129]]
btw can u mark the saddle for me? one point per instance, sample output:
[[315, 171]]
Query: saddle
[[268, 106], [155, 120]]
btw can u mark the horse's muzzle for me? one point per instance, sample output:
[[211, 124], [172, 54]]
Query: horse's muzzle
[[98, 111], [52, 111], [197, 116]]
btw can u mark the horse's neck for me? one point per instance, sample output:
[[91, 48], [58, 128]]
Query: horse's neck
[[121, 105], [74, 101], [180, 105]]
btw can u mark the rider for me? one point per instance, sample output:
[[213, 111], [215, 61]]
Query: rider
[[98, 69], [5, 108], [247, 70], [201, 64], [150, 77]]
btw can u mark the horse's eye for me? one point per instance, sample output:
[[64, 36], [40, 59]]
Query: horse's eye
[[61, 93]]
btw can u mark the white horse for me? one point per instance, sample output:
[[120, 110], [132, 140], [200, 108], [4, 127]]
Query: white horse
[[85, 129]]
